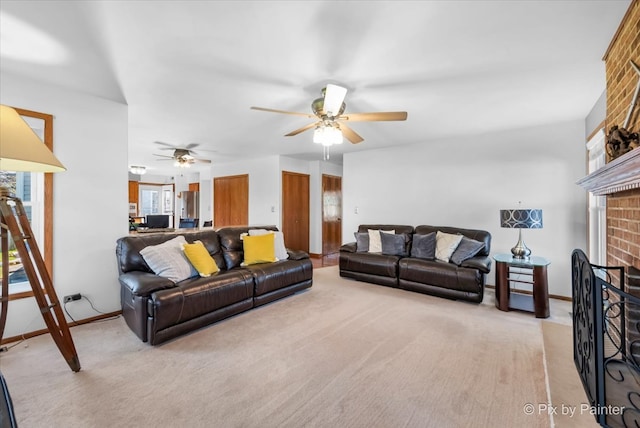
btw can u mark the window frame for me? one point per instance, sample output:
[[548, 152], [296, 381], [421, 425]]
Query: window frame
[[47, 251]]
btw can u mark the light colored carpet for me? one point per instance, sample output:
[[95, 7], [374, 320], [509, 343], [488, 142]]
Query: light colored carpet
[[341, 354]]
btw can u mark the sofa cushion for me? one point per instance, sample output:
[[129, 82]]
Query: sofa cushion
[[278, 242], [362, 242], [478, 235], [269, 277], [200, 258], [231, 243], [398, 228], [466, 249], [439, 274], [446, 244], [424, 246], [394, 228], [198, 296], [373, 264], [168, 260], [375, 242], [258, 249], [393, 245]]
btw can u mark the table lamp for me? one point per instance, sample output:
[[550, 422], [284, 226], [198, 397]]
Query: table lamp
[[521, 219], [22, 150]]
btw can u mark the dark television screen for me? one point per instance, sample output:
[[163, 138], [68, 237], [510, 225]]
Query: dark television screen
[[158, 221]]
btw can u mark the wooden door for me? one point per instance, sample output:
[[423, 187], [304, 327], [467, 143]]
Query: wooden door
[[194, 187], [295, 210], [133, 192], [134, 196], [231, 200], [331, 214]]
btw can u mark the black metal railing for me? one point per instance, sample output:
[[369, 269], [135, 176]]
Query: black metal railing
[[606, 342]]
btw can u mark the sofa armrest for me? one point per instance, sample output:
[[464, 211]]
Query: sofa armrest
[[144, 283], [482, 263], [297, 254], [348, 248]]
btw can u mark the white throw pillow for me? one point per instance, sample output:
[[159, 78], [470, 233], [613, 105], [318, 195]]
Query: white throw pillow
[[281, 250], [446, 244], [375, 243], [278, 242], [168, 260], [257, 232]]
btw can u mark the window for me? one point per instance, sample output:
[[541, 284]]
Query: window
[[36, 192], [597, 204], [149, 200], [155, 199]]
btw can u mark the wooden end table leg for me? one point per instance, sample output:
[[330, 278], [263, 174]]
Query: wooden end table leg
[[540, 292], [502, 286]]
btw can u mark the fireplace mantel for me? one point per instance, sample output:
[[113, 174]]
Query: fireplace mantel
[[620, 174]]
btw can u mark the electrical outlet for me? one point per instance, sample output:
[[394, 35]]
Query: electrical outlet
[[72, 297]]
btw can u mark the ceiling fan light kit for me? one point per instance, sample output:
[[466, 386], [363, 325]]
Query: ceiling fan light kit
[[137, 169], [327, 135], [329, 109], [182, 156], [182, 163]]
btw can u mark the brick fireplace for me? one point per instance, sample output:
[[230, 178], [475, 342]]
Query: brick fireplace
[[616, 345], [619, 179], [623, 203]]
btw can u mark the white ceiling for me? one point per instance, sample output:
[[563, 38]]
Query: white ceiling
[[190, 70]]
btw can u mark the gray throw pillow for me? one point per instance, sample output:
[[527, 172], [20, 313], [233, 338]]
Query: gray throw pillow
[[168, 260], [362, 242], [424, 246], [392, 244], [466, 249]]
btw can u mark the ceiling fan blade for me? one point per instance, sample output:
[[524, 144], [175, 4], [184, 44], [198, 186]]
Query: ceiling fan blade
[[191, 146], [350, 134], [311, 116], [299, 130], [375, 117], [163, 156], [162, 143], [333, 99], [203, 160]]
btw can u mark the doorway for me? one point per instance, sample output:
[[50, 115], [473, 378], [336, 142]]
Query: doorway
[[231, 200], [295, 210], [331, 214]]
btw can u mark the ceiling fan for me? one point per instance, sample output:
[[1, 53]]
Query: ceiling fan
[[182, 156], [331, 126]]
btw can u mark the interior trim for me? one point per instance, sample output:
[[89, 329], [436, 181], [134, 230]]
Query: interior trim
[[622, 173]]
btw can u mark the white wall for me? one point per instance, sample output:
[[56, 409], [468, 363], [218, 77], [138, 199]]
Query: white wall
[[465, 182], [596, 116], [264, 187], [316, 170], [206, 197], [90, 198]]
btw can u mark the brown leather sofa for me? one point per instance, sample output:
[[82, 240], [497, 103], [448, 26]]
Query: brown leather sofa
[[444, 279], [157, 309]]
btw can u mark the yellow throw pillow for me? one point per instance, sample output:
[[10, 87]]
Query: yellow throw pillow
[[199, 257], [258, 249]]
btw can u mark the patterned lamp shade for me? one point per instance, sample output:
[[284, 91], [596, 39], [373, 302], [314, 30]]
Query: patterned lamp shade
[[521, 219]]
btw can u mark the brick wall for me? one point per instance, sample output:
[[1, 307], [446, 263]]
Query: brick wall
[[623, 208], [623, 228]]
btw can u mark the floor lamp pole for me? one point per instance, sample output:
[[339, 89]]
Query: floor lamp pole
[[14, 221]]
